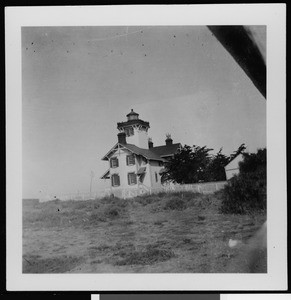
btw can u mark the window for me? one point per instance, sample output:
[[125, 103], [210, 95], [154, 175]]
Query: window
[[114, 162], [115, 180], [130, 160], [131, 178], [156, 175], [128, 131]]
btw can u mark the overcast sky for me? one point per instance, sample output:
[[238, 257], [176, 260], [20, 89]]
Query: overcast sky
[[78, 82]]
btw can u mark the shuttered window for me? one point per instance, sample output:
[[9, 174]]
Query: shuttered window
[[131, 178], [114, 162], [156, 175], [130, 160], [115, 180]]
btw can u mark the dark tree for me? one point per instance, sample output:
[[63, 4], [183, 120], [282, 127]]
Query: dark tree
[[195, 164], [188, 165], [247, 191], [254, 162], [215, 170]]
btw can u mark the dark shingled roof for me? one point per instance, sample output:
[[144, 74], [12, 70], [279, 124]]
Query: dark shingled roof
[[166, 149], [144, 152], [132, 113], [155, 153], [133, 122]]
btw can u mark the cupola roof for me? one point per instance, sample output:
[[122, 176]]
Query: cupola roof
[[132, 113]]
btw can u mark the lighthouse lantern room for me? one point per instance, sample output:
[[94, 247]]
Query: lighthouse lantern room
[[136, 130]]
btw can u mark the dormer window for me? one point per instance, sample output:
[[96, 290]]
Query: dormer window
[[114, 162], [130, 160]]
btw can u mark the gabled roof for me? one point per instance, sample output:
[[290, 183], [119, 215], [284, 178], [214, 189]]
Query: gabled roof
[[112, 150], [106, 175], [234, 163], [147, 153], [166, 150]]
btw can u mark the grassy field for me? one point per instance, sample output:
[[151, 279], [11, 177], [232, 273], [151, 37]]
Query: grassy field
[[173, 233]]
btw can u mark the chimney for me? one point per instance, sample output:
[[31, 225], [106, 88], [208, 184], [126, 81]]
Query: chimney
[[151, 144], [121, 137], [169, 140]]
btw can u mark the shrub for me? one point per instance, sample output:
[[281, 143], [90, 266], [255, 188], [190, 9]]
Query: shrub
[[108, 212], [149, 199], [112, 212], [175, 204], [115, 201], [254, 162], [97, 217], [246, 192], [81, 205]]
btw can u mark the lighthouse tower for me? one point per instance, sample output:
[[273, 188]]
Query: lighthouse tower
[[136, 130]]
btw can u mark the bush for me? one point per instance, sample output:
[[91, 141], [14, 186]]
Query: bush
[[175, 204], [254, 162], [115, 201], [108, 212], [246, 192], [112, 212], [147, 199]]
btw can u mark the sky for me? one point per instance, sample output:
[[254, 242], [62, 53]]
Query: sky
[[78, 82]]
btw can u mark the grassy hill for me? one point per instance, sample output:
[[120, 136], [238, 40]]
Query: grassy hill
[[175, 233]]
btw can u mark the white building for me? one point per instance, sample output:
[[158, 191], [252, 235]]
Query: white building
[[134, 164]]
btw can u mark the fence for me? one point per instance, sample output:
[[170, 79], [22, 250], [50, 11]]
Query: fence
[[80, 196], [203, 188]]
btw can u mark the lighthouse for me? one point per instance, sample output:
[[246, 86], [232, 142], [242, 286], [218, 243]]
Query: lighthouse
[[135, 166]]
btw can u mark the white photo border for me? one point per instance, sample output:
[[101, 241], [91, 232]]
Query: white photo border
[[271, 15]]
